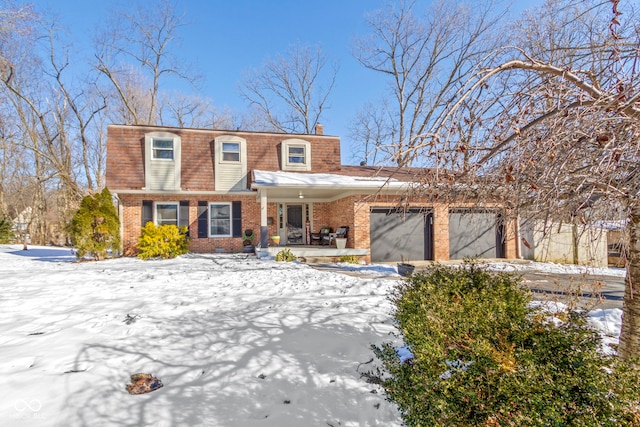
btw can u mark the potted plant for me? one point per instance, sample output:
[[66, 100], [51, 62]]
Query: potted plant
[[404, 268], [247, 241], [341, 242], [275, 240]]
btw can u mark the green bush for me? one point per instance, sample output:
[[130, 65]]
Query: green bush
[[350, 259], [285, 255], [481, 356], [165, 241], [6, 230], [95, 227]]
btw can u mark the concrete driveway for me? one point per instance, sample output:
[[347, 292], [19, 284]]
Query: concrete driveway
[[589, 291], [582, 290]]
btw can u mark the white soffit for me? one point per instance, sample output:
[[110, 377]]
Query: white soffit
[[267, 179]]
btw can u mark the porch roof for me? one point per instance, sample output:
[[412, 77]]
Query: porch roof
[[321, 185]]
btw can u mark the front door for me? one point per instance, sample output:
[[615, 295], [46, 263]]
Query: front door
[[295, 225]]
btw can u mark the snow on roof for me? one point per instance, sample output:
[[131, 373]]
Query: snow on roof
[[612, 224], [274, 179]]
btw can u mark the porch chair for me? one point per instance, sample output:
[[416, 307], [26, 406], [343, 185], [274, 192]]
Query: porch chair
[[341, 232], [319, 238]]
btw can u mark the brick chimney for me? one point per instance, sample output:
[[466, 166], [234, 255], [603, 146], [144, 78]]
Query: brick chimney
[[319, 129]]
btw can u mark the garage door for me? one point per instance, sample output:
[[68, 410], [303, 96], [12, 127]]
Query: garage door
[[474, 234], [400, 234]]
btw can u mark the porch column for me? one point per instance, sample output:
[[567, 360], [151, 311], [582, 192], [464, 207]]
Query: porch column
[[264, 229]]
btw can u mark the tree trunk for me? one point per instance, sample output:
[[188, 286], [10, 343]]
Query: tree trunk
[[630, 333]]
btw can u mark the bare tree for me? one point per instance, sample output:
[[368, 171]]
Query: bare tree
[[135, 52], [564, 143], [194, 111], [84, 106], [370, 128], [50, 115], [22, 119], [57, 121], [291, 90], [427, 59]]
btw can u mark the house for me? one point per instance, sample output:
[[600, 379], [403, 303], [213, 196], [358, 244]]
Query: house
[[220, 183], [617, 241], [564, 243]]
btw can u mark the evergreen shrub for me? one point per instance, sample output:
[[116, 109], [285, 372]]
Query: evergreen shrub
[[285, 255], [164, 241], [6, 230], [480, 355], [95, 227]]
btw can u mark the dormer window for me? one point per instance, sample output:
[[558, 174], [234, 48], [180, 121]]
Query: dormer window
[[162, 148], [231, 152], [296, 155], [162, 161], [231, 163]]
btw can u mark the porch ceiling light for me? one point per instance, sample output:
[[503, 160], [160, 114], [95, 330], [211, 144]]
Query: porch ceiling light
[[300, 195]]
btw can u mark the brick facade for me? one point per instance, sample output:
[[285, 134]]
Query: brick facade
[[354, 211], [131, 217], [125, 177], [125, 155]]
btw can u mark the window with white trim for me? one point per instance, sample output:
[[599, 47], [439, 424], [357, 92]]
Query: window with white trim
[[296, 155], [220, 220], [162, 161], [167, 213], [230, 171], [231, 152], [162, 148]]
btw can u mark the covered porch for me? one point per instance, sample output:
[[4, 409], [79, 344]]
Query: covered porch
[[295, 206]]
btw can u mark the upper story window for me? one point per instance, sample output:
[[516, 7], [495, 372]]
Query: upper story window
[[230, 167], [296, 155], [231, 152], [162, 161], [162, 148]]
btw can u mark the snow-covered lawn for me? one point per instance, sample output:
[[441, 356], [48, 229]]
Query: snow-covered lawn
[[236, 341]]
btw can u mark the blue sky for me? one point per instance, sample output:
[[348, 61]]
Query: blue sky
[[224, 38]]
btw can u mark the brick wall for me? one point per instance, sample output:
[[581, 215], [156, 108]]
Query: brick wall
[[361, 217], [342, 214], [131, 217], [125, 159], [353, 211], [441, 232], [125, 154], [511, 239], [125, 171]]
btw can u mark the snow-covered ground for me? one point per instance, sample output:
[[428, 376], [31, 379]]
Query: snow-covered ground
[[552, 268], [236, 341]]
